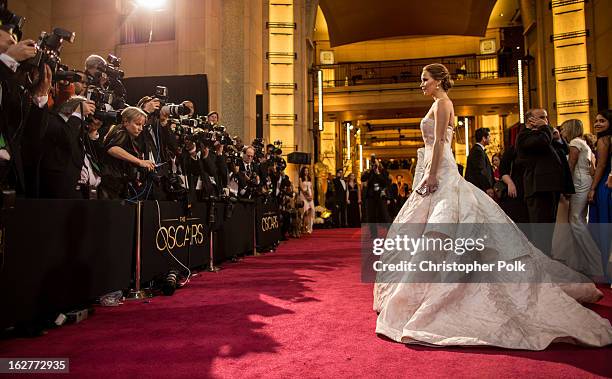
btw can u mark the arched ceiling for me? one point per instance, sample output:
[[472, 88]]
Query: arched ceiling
[[350, 21]]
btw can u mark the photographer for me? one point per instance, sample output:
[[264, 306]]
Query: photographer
[[221, 167], [69, 165], [163, 145], [249, 173], [23, 115], [236, 180], [209, 182], [126, 172], [94, 75], [213, 118], [377, 186], [286, 203]]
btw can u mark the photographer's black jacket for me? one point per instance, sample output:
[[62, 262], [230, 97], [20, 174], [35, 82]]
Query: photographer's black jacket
[[62, 157], [163, 146], [117, 173], [22, 124]]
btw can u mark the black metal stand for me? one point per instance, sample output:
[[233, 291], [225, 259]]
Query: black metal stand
[[211, 225], [137, 293]]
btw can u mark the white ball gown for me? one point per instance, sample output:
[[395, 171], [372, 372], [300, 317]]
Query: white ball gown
[[527, 315]]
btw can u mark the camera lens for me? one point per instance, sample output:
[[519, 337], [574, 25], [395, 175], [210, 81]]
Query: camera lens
[[176, 109]]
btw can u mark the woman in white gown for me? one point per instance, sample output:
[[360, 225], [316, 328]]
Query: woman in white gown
[[526, 315], [572, 241], [306, 195]]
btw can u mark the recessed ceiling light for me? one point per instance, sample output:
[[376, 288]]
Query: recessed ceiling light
[[501, 15]]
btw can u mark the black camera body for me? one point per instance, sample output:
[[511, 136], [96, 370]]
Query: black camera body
[[111, 68], [259, 146], [102, 97], [48, 48], [175, 110], [12, 23], [65, 75], [111, 72]]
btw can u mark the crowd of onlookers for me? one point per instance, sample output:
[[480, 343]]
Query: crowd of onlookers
[[556, 176]]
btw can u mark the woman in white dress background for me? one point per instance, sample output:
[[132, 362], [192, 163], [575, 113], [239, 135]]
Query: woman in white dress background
[[572, 241], [306, 195], [491, 311]]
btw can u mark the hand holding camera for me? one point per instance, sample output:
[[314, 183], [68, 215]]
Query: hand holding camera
[[44, 85], [22, 50], [152, 106], [146, 164], [89, 107]]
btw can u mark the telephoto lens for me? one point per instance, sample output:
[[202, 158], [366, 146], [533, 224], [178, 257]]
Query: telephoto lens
[[176, 109], [68, 76]]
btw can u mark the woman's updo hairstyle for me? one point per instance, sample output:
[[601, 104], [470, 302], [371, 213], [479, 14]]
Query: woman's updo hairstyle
[[440, 72]]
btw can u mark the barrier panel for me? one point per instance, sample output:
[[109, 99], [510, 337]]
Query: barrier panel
[[236, 236], [168, 229], [59, 255], [56, 255], [267, 223]]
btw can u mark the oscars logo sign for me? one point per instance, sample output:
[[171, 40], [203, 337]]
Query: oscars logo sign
[[269, 223], [171, 237]]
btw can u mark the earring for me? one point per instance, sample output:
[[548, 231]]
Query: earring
[[437, 86]]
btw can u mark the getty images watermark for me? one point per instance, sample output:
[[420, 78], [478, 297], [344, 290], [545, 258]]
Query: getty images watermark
[[458, 246], [463, 253]]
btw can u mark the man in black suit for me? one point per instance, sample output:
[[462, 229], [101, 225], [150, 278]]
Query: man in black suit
[[23, 113], [479, 171], [543, 179], [69, 166], [340, 189], [249, 172]]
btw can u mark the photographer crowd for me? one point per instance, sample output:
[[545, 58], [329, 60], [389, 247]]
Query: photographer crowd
[[69, 134]]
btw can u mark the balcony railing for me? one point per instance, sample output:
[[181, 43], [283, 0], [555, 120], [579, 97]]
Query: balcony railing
[[489, 66]]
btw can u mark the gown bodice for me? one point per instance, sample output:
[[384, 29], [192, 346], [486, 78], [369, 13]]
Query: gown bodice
[[428, 130]]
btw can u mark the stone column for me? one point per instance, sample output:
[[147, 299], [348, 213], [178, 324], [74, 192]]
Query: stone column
[[232, 66]]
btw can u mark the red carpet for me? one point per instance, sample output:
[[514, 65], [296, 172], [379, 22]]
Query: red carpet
[[299, 312]]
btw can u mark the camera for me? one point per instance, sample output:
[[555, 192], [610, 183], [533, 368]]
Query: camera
[[102, 97], [12, 23], [113, 60], [111, 72], [48, 50], [66, 75], [173, 185], [176, 110], [111, 69], [168, 283], [161, 93], [99, 96], [259, 146], [108, 117]]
